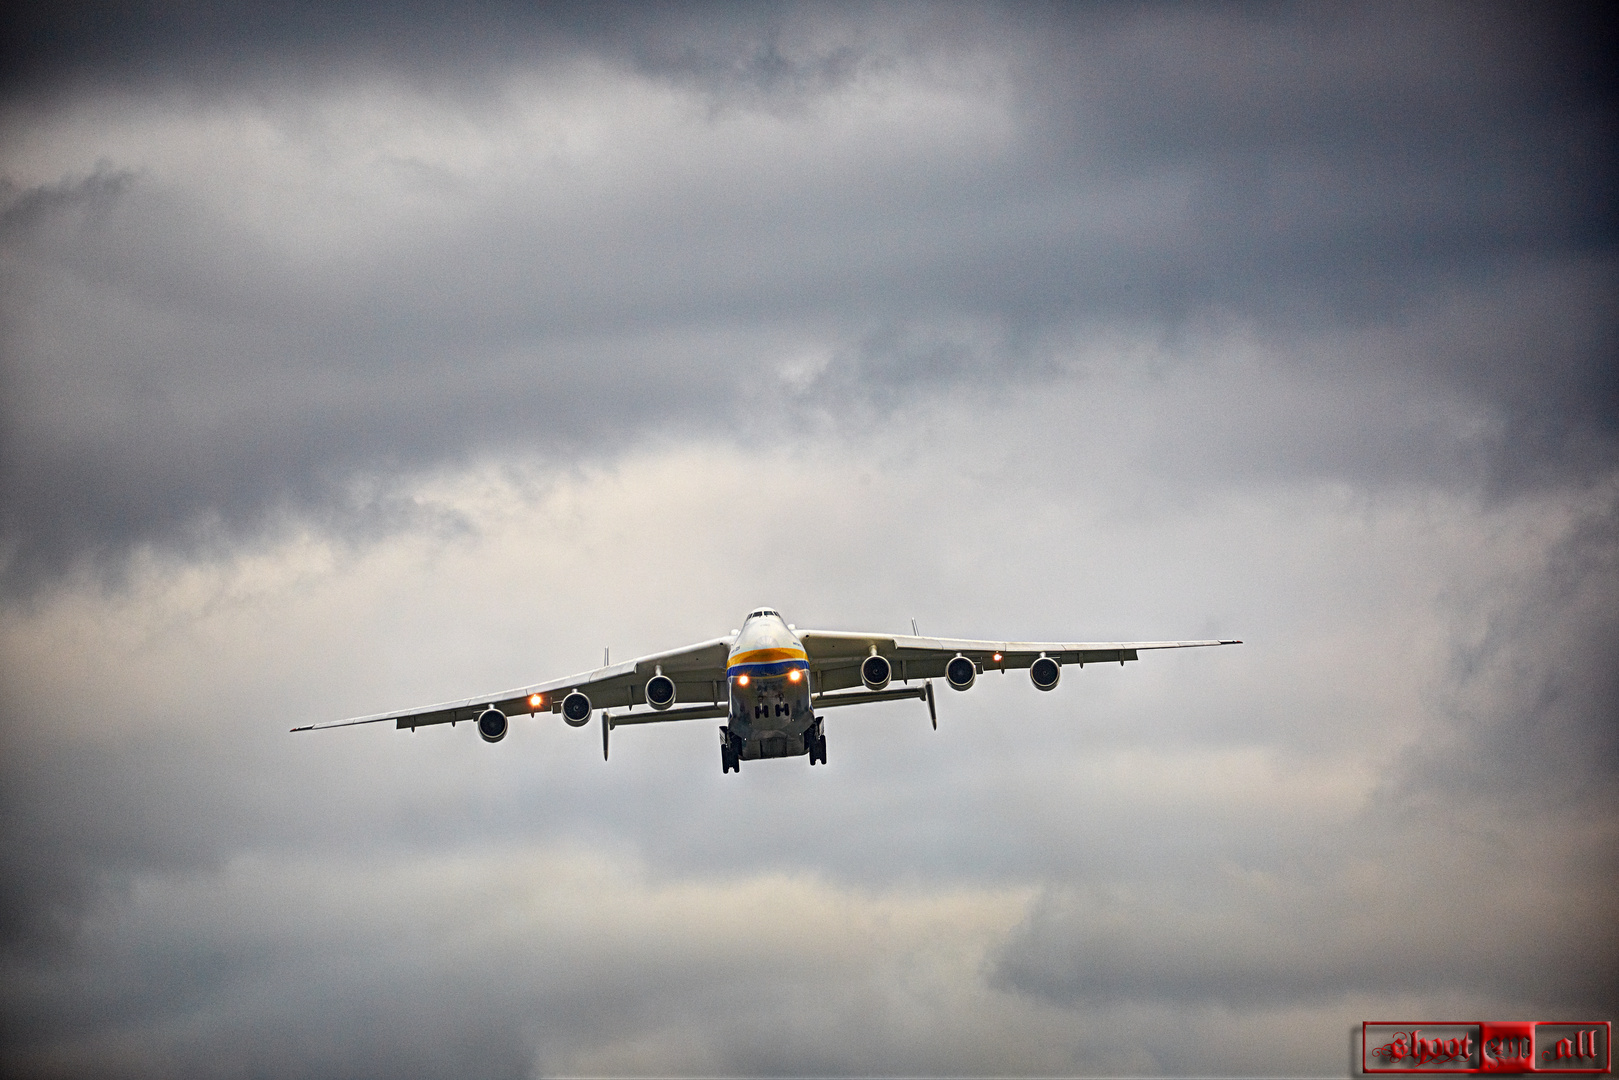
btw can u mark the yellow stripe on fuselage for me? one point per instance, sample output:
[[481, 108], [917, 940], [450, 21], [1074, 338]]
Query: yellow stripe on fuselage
[[768, 656]]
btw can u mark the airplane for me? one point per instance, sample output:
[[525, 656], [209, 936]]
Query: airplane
[[768, 680]]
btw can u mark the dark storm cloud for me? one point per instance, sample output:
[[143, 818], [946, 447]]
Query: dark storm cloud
[[202, 43], [195, 404], [1308, 168], [759, 50], [1363, 165]]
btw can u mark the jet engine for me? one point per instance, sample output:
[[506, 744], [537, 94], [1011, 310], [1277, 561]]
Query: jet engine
[[875, 671], [576, 710], [492, 725], [960, 673], [660, 692], [1045, 672]]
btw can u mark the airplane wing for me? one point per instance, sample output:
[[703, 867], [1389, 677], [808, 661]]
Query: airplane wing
[[698, 671], [835, 655], [700, 679]]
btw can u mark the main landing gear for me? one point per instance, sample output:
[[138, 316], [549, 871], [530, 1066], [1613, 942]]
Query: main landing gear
[[815, 742], [731, 747]]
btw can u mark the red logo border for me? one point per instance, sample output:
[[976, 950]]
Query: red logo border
[[1482, 1025]]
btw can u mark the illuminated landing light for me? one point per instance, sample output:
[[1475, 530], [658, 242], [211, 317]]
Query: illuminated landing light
[[794, 675], [534, 701], [742, 680], [997, 658]]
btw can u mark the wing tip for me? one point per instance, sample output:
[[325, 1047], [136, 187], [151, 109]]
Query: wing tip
[[1231, 641], [306, 727]]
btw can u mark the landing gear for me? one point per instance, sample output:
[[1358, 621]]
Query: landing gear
[[815, 742], [730, 759]]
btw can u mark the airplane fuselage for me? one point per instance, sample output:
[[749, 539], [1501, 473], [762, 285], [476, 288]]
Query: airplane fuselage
[[768, 673]]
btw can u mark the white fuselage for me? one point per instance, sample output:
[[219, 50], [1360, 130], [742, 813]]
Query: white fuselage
[[769, 679]]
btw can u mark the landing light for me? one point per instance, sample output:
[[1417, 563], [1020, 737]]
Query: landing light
[[742, 680], [997, 658], [534, 701], [794, 675]]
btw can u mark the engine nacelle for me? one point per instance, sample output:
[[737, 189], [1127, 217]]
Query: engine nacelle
[[1045, 672], [660, 692], [492, 725], [576, 710], [875, 671], [960, 673]]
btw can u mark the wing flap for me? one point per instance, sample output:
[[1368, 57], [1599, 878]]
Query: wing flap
[[695, 712]]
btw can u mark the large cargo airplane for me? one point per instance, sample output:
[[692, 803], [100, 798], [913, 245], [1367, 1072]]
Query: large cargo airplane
[[768, 680]]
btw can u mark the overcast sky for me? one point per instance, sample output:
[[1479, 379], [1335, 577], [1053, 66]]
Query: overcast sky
[[356, 359]]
